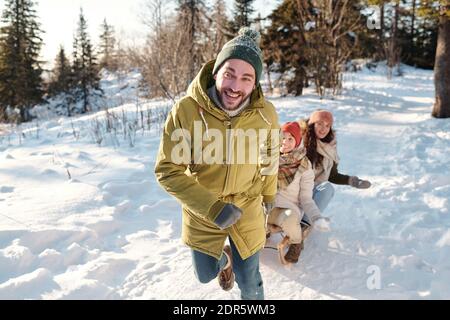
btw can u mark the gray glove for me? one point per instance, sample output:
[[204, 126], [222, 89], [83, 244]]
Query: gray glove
[[229, 215], [268, 206], [356, 182]]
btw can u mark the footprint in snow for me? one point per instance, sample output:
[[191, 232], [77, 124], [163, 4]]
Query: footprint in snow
[[168, 252], [6, 189], [50, 173]]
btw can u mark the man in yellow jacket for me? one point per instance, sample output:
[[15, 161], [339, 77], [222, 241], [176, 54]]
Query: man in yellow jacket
[[219, 157]]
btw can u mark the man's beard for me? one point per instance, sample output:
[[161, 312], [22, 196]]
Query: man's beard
[[232, 94]]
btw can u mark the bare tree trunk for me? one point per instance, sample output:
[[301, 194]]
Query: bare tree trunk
[[382, 46], [328, 44], [192, 52], [413, 19], [441, 108], [3, 114], [393, 50], [382, 24], [24, 114]]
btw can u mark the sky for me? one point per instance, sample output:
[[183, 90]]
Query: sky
[[59, 19]]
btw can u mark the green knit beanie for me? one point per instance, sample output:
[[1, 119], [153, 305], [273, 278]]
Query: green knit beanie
[[245, 47]]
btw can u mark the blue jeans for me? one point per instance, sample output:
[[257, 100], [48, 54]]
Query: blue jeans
[[246, 271], [322, 195]]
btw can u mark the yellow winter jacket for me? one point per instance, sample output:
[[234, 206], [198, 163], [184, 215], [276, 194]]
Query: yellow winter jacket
[[203, 186]]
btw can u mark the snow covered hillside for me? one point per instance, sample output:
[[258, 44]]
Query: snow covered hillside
[[81, 215]]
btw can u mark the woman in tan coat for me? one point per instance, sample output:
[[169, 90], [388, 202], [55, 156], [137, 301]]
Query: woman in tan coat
[[295, 190], [321, 150]]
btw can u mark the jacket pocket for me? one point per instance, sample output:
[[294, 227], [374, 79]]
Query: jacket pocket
[[256, 188]]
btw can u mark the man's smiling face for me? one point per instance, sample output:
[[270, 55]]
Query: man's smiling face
[[235, 82]]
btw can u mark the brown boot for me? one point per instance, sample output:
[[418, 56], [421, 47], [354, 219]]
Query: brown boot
[[293, 252], [226, 276]]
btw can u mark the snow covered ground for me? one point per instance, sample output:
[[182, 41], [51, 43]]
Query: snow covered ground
[[82, 220]]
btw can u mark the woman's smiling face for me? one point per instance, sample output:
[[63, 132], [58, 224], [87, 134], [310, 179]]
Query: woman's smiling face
[[321, 129]]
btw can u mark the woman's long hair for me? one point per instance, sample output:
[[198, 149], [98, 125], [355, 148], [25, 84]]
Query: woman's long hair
[[310, 142]]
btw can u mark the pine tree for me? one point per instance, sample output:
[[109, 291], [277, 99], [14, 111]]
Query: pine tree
[[20, 70], [404, 34], [243, 9], [61, 81], [61, 74], [393, 49], [380, 53], [284, 45], [85, 69], [194, 22], [107, 47], [417, 36], [390, 38], [423, 50], [314, 39]]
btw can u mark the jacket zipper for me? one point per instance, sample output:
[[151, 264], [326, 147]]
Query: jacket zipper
[[227, 124]]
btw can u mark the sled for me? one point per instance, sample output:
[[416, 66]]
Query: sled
[[284, 243], [281, 250], [273, 228]]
